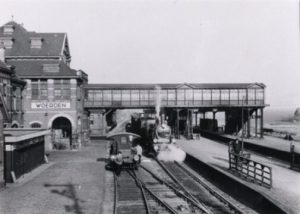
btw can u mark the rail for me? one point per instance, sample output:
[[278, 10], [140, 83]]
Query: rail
[[211, 190], [180, 193], [115, 193], [251, 170], [156, 197], [201, 205], [133, 175]]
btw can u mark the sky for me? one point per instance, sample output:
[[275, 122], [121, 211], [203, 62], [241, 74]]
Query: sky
[[176, 41]]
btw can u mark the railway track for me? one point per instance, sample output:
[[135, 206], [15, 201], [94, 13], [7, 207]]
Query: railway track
[[137, 192], [208, 195], [163, 188], [129, 196]]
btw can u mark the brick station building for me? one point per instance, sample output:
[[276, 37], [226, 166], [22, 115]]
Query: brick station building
[[53, 95]]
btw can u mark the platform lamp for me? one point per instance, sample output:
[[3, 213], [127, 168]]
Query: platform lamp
[[242, 137], [214, 111]]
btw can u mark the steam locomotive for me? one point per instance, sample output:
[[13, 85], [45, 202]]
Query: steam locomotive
[[154, 132]]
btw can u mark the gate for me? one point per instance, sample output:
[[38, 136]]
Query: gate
[[295, 158]]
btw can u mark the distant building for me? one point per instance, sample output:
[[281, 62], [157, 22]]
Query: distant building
[[53, 97], [297, 114]]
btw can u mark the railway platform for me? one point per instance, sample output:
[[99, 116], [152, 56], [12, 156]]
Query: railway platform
[[72, 182], [285, 191], [270, 142]]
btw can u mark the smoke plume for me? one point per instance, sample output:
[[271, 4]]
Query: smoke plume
[[158, 101]]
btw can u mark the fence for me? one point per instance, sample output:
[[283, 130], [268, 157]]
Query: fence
[[295, 157], [250, 170]]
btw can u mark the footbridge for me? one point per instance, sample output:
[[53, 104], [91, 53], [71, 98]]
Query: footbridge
[[181, 103]]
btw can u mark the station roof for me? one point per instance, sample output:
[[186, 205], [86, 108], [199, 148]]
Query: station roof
[[34, 69], [176, 86], [52, 43]]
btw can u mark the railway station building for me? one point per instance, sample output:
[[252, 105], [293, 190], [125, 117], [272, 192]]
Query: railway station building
[[53, 94]]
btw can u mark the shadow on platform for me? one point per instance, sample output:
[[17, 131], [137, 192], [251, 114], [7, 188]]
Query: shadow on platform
[[68, 191]]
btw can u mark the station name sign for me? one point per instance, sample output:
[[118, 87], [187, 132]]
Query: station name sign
[[50, 105]]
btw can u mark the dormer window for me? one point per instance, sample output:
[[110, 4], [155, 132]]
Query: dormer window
[[36, 42], [51, 68], [6, 41], [8, 29]]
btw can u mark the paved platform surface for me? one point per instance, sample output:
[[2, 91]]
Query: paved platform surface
[[271, 142], [72, 182], [286, 183]]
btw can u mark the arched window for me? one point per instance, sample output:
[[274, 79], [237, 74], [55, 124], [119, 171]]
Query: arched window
[[35, 125]]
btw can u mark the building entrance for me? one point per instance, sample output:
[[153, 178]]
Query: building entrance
[[62, 133]]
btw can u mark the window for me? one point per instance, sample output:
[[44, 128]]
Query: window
[[144, 94], [15, 125], [152, 97], [126, 95], [259, 94], [36, 125], [225, 94], [39, 89], [36, 42], [135, 95], [242, 96], [189, 94], [180, 94], [51, 68], [215, 94], [7, 42], [107, 95], [116, 95], [206, 96], [198, 94], [62, 89], [251, 94], [8, 29], [98, 95], [234, 94], [43, 89], [171, 95], [123, 140]]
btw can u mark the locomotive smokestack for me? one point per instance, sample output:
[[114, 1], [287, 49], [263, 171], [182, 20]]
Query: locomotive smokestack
[[162, 119]]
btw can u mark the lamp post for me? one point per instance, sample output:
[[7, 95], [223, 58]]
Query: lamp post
[[243, 124]]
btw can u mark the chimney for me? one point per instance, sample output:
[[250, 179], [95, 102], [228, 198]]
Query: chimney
[[2, 52]]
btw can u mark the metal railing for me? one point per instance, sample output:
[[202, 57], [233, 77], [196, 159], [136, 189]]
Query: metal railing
[[250, 170], [295, 157]]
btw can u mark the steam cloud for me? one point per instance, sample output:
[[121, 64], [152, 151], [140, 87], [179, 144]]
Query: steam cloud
[[158, 101], [171, 152]]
